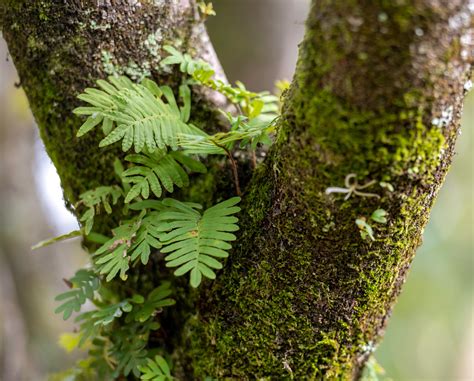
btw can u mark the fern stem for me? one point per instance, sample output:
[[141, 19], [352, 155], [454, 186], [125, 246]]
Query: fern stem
[[233, 165], [254, 158]]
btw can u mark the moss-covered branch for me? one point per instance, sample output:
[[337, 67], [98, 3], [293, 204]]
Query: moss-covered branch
[[377, 93]]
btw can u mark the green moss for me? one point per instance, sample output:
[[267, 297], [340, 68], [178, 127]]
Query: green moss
[[303, 296]]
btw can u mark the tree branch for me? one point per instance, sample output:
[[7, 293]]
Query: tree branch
[[378, 92]]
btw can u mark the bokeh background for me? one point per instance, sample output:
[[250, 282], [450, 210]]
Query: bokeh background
[[431, 333]]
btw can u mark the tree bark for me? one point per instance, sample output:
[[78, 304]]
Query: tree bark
[[377, 93]]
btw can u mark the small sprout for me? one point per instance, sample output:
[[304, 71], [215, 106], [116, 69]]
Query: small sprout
[[353, 187], [380, 216], [206, 9], [387, 186], [329, 227], [366, 230]]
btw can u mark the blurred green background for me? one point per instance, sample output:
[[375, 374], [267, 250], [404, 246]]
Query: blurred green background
[[431, 333]]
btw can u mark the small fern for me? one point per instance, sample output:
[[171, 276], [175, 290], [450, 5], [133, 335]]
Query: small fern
[[151, 120], [156, 370], [91, 322], [154, 302], [112, 257], [156, 171], [193, 240], [84, 284], [93, 199], [137, 113]]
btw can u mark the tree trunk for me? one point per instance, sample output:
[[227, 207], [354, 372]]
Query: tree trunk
[[377, 93]]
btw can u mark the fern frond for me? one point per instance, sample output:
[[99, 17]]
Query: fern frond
[[112, 257], [156, 370], [130, 357], [146, 239], [253, 132], [51, 241], [156, 171], [84, 284], [92, 322], [252, 104], [141, 115], [186, 63], [93, 199], [193, 240], [155, 301]]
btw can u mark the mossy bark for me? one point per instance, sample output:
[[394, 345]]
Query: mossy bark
[[377, 92]]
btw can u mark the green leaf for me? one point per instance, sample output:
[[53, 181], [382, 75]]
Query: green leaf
[[95, 199], [112, 257], [93, 321], [193, 240], [146, 239], [366, 230], [64, 237], [141, 115], [84, 284], [156, 370], [155, 301], [158, 171], [380, 216]]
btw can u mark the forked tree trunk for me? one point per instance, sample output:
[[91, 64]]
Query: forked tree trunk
[[377, 93]]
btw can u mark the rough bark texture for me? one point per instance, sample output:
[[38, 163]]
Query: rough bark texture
[[377, 92]]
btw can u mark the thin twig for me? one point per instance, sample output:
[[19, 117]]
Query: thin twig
[[233, 165], [254, 158]]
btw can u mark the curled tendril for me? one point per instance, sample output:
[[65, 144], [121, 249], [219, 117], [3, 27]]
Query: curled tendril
[[352, 187]]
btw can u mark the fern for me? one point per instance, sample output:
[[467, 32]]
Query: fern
[[137, 113], [132, 241], [131, 356], [249, 133], [84, 284], [158, 170], [252, 104], [146, 239], [112, 257], [186, 63], [155, 301], [193, 240], [156, 370], [93, 199], [91, 322], [150, 119]]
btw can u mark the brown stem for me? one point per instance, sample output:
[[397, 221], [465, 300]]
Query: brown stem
[[253, 156], [235, 173]]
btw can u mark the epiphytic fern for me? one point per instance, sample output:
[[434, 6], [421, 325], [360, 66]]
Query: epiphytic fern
[[83, 286], [139, 114], [112, 257], [156, 370], [94, 199], [194, 239], [156, 171]]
